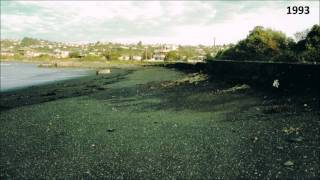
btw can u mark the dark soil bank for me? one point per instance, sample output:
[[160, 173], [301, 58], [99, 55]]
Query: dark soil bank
[[157, 123], [293, 78]]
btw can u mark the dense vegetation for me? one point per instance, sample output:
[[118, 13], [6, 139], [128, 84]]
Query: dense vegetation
[[29, 41], [263, 44]]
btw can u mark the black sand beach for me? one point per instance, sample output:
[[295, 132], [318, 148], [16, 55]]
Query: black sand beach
[[157, 123]]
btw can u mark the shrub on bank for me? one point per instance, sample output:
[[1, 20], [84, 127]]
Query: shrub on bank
[[261, 45], [286, 56], [268, 45], [92, 58]]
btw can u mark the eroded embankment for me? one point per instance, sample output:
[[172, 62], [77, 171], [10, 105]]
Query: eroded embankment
[[293, 78]]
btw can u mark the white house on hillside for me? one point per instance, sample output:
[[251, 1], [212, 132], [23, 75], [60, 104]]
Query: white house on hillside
[[124, 58], [159, 57], [136, 58], [61, 54]]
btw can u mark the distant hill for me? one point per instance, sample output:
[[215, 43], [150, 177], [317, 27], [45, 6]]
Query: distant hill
[[27, 41]]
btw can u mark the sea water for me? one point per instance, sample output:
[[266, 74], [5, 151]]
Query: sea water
[[15, 75]]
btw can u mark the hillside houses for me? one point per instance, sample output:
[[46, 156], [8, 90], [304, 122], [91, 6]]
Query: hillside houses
[[61, 53], [124, 58], [160, 53], [136, 58], [6, 53], [159, 56], [32, 53], [33, 48]]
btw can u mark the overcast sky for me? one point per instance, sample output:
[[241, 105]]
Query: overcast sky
[[179, 22]]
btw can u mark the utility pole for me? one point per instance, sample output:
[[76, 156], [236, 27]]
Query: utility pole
[[146, 52], [214, 42]]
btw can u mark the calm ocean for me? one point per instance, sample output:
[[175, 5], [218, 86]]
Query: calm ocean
[[18, 75]]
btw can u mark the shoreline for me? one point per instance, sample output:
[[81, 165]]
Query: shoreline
[[17, 89], [70, 76], [93, 67], [41, 93], [76, 63]]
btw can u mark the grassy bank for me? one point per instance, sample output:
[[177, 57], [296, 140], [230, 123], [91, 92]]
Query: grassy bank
[[156, 123]]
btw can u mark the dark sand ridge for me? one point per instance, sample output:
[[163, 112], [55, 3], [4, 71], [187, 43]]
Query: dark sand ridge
[[156, 123]]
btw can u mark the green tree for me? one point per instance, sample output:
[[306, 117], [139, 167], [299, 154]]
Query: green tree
[[312, 40], [26, 41], [309, 48], [187, 51], [111, 54], [139, 44], [172, 56], [261, 44], [74, 54], [209, 57], [146, 54]]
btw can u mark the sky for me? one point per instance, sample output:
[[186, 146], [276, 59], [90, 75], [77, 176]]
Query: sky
[[176, 22]]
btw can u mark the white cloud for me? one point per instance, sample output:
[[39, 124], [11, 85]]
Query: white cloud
[[179, 22], [18, 23]]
